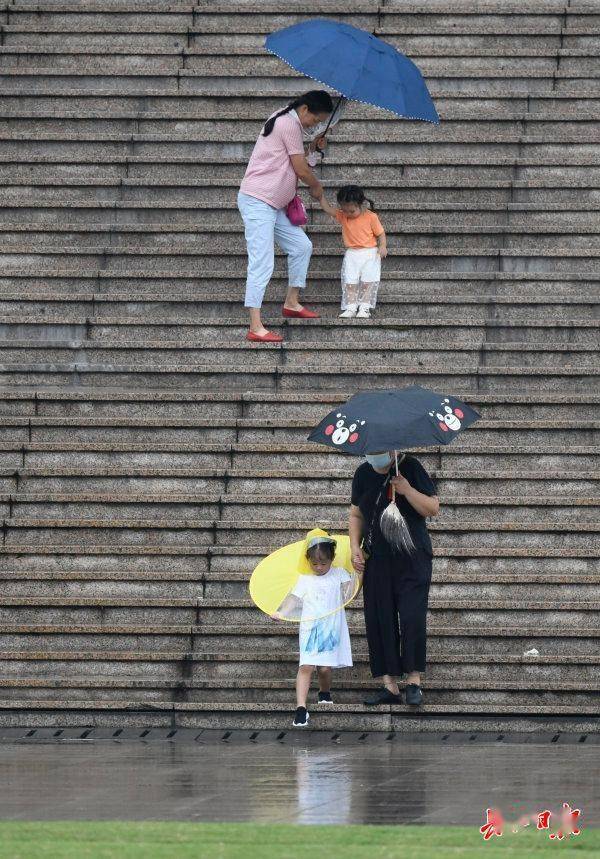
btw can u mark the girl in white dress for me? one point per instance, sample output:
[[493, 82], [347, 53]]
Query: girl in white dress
[[324, 636]]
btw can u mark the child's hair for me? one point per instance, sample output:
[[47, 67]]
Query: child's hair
[[316, 100], [354, 194], [322, 551]]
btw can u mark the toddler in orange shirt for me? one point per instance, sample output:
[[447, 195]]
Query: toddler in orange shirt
[[365, 242]]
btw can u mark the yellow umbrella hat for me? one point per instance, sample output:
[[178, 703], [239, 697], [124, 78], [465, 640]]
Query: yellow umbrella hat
[[276, 575]]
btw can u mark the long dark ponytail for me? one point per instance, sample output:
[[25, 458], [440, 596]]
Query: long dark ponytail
[[354, 194], [316, 100]]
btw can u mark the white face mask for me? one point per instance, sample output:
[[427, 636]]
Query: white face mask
[[379, 460]]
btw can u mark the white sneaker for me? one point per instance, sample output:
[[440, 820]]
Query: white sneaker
[[350, 312], [364, 312]]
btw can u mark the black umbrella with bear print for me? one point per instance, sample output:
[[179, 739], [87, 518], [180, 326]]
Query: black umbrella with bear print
[[396, 419], [393, 420]]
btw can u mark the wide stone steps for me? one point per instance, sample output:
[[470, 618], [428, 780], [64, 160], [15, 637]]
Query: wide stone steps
[[406, 353], [75, 213], [536, 325], [541, 235], [180, 481], [565, 258], [280, 691], [529, 582], [174, 296], [174, 531], [277, 717], [63, 96], [140, 431], [486, 640], [538, 58], [243, 455], [271, 374], [75, 119], [247, 430], [573, 511], [129, 199], [183, 667], [94, 611]]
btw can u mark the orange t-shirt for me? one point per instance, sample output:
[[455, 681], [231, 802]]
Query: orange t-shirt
[[361, 232]]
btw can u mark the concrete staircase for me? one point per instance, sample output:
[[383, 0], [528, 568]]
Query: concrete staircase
[[149, 456]]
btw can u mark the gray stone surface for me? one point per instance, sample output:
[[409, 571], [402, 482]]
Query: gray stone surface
[[148, 458]]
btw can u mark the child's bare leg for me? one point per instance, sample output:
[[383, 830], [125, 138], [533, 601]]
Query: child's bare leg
[[303, 679], [349, 300], [324, 677], [367, 297]]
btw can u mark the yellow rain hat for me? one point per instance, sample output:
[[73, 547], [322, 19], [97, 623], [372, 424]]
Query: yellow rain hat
[[276, 575]]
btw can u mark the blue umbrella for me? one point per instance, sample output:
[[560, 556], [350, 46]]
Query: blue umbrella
[[356, 64]]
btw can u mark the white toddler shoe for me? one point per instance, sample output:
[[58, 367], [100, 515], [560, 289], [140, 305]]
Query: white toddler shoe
[[349, 312], [364, 312]]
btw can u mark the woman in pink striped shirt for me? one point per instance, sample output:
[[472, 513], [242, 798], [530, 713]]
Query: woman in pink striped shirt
[[276, 164]]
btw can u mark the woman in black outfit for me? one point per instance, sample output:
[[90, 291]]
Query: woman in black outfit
[[396, 584]]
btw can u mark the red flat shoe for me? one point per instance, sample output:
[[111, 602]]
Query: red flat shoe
[[305, 313], [269, 337]]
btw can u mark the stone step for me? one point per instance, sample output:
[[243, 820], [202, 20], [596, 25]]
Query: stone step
[[230, 717], [306, 377], [445, 84], [84, 611], [175, 531], [281, 691], [539, 585], [506, 102], [470, 668], [538, 328], [311, 405], [69, 214], [458, 483], [276, 639], [241, 455], [473, 354], [230, 170], [540, 234], [433, 62], [228, 508], [247, 430], [144, 288], [63, 121], [238, 138], [33, 301], [442, 256], [207, 560], [131, 198]]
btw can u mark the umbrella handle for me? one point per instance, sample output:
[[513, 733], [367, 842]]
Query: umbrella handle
[[332, 114]]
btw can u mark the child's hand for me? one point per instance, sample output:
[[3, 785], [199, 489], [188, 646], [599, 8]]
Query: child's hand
[[358, 561], [382, 252], [277, 616]]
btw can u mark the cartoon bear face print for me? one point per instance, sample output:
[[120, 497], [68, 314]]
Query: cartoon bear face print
[[450, 419], [340, 433]]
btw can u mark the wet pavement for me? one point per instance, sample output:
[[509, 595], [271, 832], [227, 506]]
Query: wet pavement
[[412, 779]]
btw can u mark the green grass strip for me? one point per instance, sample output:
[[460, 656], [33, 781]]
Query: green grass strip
[[166, 840]]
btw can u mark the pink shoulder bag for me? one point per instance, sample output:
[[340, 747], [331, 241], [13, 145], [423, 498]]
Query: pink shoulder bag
[[296, 212]]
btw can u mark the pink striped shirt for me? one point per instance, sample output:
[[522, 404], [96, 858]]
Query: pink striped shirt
[[270, 176]]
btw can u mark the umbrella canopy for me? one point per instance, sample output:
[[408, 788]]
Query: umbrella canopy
[[356, 64], [375, 421]]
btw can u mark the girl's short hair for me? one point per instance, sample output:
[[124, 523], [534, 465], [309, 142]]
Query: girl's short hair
[[322, 550], [353, 194]]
